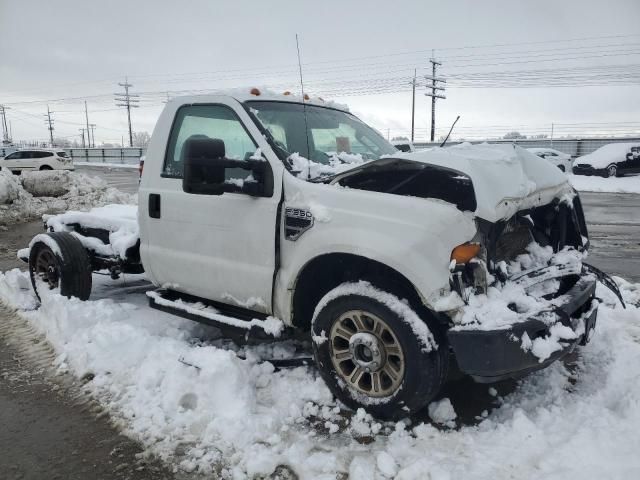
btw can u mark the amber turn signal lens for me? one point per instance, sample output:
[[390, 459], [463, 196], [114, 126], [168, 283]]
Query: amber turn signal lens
[[465, 252]]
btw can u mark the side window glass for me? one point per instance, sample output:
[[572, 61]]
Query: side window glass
[[212, 121]]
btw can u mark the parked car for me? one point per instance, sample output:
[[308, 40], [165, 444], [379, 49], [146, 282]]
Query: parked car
[[612, 160], [403, 145], [37, 159], [559, 159], [377, 258]]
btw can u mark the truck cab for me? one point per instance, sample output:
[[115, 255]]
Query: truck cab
[[290, 214]]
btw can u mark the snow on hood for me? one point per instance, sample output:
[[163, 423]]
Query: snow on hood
[[606, 155], [506, 178]]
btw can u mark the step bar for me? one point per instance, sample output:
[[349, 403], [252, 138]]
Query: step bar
[[205, 312]]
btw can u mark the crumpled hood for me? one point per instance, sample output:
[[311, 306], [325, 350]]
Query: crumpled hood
[[506, 178]]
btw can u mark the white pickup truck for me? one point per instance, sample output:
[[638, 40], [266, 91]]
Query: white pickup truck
[[271, 215]]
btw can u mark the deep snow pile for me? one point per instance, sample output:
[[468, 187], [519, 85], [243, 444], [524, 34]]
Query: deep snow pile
[[173, 386], [79, 192], [583, 183]]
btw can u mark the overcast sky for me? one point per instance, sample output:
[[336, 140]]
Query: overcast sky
[[359, 52]]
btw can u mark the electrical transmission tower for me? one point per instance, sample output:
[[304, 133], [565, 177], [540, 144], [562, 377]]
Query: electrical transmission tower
[[49, 121], [6, 136], [128, 101], [435, 87]]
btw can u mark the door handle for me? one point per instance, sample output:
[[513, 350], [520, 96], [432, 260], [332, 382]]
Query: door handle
[[154, 205]]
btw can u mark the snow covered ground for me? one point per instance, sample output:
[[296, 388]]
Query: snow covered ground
[[36, 193], [189, 398], [583, 183]]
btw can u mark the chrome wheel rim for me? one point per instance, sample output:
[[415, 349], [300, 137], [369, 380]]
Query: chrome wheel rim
[[366, 354], [46, 268]]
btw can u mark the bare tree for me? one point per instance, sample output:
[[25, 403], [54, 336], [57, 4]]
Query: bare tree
[[141, 139]]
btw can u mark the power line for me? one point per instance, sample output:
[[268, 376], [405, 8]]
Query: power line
[[128, 101], [6, 137], [436, 85], [49, 121]]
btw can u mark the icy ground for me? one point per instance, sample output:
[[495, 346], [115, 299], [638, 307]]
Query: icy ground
[[189, 398], [583, 183]]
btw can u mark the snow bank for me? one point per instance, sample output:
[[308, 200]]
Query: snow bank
[[182, 392], [583, 183], [49, 183], [606, 155], [81, 193], [10, 187]]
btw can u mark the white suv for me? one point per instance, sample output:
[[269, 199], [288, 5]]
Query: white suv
[[37, 159]]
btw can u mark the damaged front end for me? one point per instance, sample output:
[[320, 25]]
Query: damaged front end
[[529, 297]]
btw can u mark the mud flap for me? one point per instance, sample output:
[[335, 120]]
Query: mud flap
[[606, 280]]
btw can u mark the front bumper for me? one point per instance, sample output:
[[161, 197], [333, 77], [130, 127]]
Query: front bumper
[[494, 355]]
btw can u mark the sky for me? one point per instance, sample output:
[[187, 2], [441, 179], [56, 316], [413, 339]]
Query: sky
[[509, 65]]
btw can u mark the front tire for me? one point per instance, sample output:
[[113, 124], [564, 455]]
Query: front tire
[[612, 171], [45, 167], [59, 260], [371, 351]]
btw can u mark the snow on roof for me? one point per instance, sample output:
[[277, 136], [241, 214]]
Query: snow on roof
[[266, 94]]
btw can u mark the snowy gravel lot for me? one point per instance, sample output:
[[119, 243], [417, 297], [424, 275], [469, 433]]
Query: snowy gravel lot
[[185, 394]]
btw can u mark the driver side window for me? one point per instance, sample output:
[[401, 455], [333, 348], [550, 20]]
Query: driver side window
[[212, 121]]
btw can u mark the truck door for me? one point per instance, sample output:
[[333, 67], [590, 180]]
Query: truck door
[[219, 247]]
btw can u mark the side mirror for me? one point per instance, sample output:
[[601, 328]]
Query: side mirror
[[203, 174], [204, 170]]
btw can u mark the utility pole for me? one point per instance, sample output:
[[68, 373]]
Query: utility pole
[[49, 122], [413, 103], [93, 136], [434, 87], [128, 101], [6, 135], [81, 130], [551, 135], [86, 116]]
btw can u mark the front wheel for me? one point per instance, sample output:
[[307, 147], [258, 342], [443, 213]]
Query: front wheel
[[375, 353], [612, 171], [45, 167], [59, 260]]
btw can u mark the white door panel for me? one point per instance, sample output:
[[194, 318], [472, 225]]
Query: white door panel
[[223, 248], [219, 247]]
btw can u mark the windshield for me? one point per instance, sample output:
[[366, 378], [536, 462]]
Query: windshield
[[332, 140]]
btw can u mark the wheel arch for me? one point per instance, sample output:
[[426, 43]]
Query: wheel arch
[[326, 271]]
